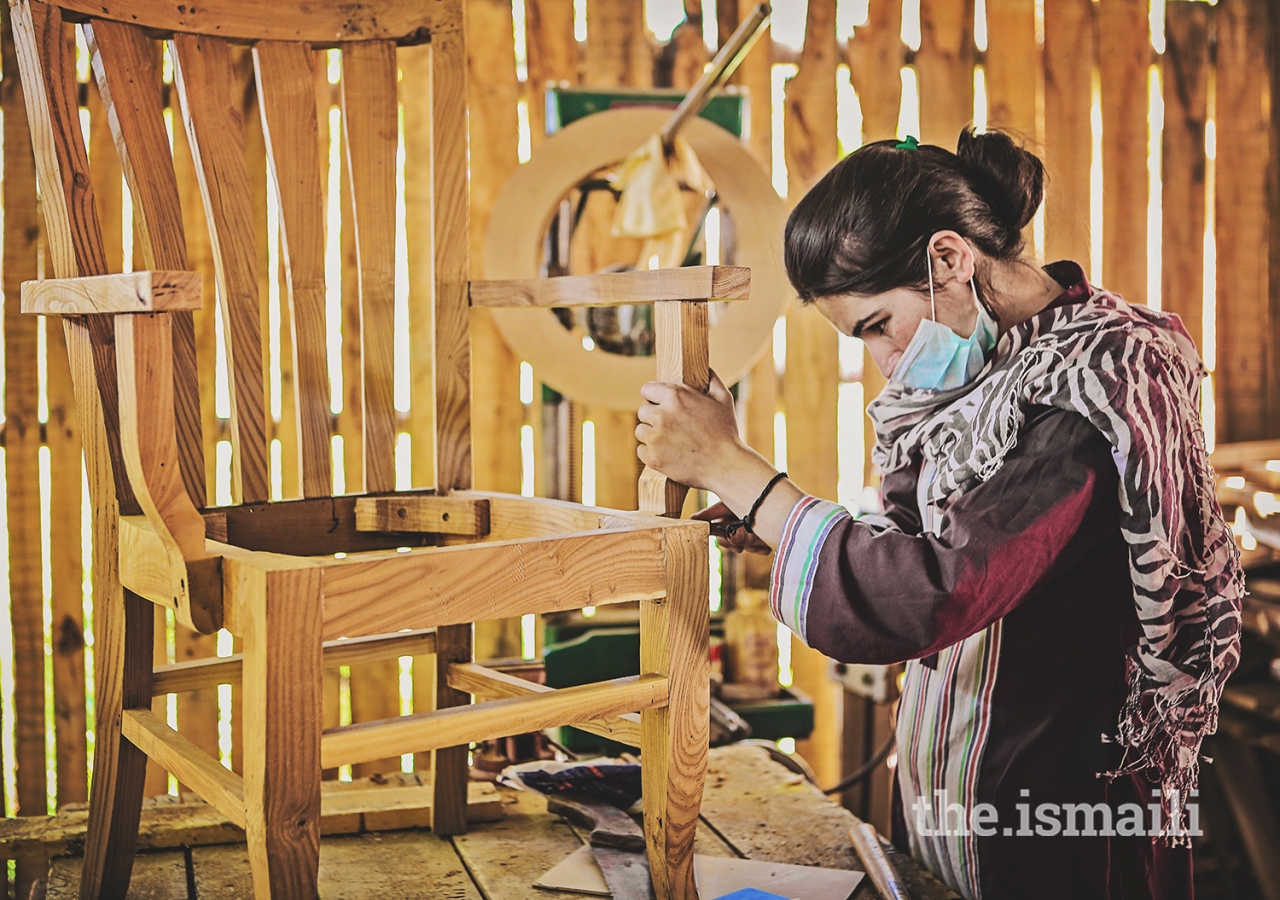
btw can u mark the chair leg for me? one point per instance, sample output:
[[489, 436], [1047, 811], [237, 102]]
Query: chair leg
[[449, 764], [673, 754], [282, 725], [123, 624]]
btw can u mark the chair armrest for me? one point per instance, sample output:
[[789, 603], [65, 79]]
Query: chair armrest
[[617, 288], [130, 292]]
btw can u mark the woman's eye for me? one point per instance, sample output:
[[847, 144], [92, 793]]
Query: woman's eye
[[878, 328]]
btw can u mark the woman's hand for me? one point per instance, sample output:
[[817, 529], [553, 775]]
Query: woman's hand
[[739, 540], [688, 436]]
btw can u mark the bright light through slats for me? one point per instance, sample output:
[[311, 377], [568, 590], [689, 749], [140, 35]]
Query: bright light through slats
[[711, 236], [42, 366], [848, 113], [404, 462], [524, 140], [780, 345], [589, 463], [911, 25], [526, 383], [274, 307], [780, 441], [528, 636], [980, 25], [521, 34], [1096, 274], [401, 354], [333, 263], [339, 456], [778, 96], [785, 675], [277, 472], [222, 474], [909, 112], [579, 20], [526, 460], [662, 17], [46, 583], [979, 99]]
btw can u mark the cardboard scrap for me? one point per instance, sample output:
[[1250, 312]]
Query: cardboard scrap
[[718, 877]]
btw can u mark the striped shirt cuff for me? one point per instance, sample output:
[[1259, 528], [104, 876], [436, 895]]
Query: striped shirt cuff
[[796, 559]]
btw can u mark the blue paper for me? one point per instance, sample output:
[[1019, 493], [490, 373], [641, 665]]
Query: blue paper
[[751, 894]]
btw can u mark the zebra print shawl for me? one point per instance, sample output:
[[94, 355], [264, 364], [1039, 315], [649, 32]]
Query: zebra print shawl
[[1135, 375]]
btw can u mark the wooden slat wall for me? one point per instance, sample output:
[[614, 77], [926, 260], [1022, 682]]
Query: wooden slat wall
[[1044, 92]]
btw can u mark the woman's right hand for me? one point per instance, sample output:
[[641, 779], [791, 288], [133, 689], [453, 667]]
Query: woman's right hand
[[741, 540]]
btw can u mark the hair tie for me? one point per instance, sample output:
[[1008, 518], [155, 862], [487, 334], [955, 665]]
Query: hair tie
[[909, 144]]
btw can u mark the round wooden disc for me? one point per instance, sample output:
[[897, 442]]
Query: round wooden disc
[[528, 201]]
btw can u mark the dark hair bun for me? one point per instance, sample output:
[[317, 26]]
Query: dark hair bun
[[1008, 177]]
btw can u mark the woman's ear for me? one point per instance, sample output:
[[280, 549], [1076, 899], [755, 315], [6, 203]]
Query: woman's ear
[[953, 258]]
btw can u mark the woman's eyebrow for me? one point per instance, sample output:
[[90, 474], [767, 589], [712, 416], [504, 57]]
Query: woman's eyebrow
[[862, 323]]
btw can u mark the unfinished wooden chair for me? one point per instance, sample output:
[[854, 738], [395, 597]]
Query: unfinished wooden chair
[[296, 580]]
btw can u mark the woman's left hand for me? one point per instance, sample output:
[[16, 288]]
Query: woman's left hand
[[687, 436]]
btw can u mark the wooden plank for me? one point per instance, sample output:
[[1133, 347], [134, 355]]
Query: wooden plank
[[1246, 395], [66, 479], [452, 266], [1068, 67], [290, 20], [438, 515], [1124, 55], [680, 334], [767, 812], [22, 449], [132, 292], [456, 726], [124, 62], [453, 585], [1183, 164], [107, 181], [415, 102], [1013, 68], [810, 386], [488, 684], [281, 615], [212, 114], [370, 125], [618, 52], [673, 739], [876, 55], [410, 865], [192, 765], [617, 289], [552, 54], [186, 676], [944, 64], [156, 876], [286, 96]]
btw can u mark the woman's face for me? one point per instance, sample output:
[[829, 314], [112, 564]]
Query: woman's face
[[887, 322]]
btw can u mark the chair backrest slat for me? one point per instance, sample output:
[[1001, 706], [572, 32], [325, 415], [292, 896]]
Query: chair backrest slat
[[124, 64], [370, 123], [452, 263], [286, 94], [211, 108], [74, 234]]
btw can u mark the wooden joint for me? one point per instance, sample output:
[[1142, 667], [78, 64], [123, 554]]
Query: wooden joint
[[467, 516], [616, 288], [129, 292]]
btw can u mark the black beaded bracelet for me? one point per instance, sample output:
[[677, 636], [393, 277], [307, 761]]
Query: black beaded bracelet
[[749, 520]]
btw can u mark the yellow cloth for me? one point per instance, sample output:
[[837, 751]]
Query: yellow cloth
[[651, 206]]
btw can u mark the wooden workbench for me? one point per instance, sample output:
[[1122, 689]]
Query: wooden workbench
[[752, 808]]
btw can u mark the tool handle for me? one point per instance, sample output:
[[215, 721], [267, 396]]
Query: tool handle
[[883, 875], [723, 66], [610, 826]]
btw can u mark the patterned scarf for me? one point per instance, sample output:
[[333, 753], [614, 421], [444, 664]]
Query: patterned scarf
[[1135, 375]]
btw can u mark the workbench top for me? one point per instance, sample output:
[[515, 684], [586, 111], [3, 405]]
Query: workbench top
[[752, 808]]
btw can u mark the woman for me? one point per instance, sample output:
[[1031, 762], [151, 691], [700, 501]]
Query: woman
[[1051, 560]]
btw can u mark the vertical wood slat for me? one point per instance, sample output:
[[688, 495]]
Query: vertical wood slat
[[552, 57], [876, 55], [452, 266], [1184, 164], [810, 384], [944, 64], [285, 94], [1012, 67], [755, 74], [1246, 390], [1124, 55], [22, 445], [124, 64], [370, 125], [415, 98], [212, 115], [1068, 67], [618, 52]]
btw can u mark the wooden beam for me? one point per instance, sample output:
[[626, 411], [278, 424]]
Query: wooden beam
[[454, 585], [201, 673], [617, 289], [130, 292], [221, 787], [1068, 145], [435, 515], [491, 719], [1124, 57], [487, 684], [1185, 68], [290, 20]]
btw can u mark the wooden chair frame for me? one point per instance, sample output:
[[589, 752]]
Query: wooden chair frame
[[329, 580]]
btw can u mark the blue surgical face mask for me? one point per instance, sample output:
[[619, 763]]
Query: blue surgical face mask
[[938, 359]]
